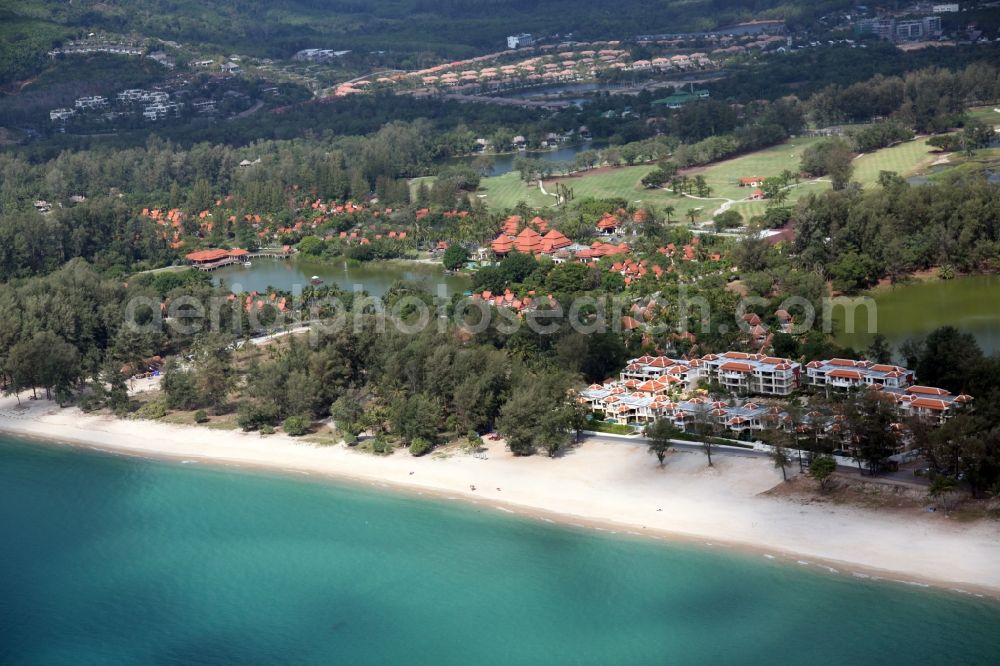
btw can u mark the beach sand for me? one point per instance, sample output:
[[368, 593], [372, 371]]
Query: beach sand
[[607, 485]]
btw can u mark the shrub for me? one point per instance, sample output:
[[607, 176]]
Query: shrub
[[154, 409], [381, 446], [295, 426], [728, 220], [472, 441], [252, 416], [420, 446], [821, 468], [350, 439], [91, 399], [267, 429], [201, 416]]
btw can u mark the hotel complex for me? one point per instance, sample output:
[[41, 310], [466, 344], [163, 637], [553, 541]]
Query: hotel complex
[[654, 387]]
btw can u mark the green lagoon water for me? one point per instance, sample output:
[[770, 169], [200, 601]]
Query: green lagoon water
[[115, 560], [970, 303]]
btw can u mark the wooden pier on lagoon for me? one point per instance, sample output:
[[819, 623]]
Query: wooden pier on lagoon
[[209, 260]]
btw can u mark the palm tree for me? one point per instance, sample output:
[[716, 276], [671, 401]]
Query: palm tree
[[692, 215], [668, 211]]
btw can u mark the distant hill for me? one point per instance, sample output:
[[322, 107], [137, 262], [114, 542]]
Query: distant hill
[[451, 28]]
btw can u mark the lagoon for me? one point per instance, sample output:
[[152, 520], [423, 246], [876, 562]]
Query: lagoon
[[374, 277], [970, 303], [504, 162], [119, 560]]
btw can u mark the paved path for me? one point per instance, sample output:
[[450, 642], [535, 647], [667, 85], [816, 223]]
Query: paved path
[[541, 186]]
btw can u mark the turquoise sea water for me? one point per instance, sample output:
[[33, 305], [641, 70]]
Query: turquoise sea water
[[116, 560]]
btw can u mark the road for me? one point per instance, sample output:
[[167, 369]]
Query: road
[[903, 476], [679, 444]]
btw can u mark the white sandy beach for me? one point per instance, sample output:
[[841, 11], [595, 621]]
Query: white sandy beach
[[609, 485]]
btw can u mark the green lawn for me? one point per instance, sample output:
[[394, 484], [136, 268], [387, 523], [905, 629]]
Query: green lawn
[[723, 177], [986, 114], [502, 192], [506, 191], [611, 428], [415, 183], [905, 159]]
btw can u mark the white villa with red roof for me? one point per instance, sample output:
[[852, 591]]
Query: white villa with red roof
[[753, 373], [843, 373], [928, 402], [652, 387]]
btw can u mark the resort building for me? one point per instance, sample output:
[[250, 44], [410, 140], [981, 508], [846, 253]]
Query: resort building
[[843, 373], [738, 372], [535, 237], [663, 369], [617, 404], [608, 224], [94, 102], [520, 41], [626, 403], [518, 304], [654, 387], [935, 404], [211, 259], [61, 114], [753, 373]]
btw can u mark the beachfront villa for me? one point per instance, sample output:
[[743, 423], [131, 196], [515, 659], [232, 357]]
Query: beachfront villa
[[662, 368], [753, 373], [654, 387], [620, 406], [651, 387], [738, 372], [934, 404], [844, 373]]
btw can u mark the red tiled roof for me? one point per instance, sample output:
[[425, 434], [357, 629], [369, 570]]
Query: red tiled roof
[[927, 390], [930, 403], [608, 222], [845, 374], [629, 324], [207, 255]]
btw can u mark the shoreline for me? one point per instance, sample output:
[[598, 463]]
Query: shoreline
[[597, 489]]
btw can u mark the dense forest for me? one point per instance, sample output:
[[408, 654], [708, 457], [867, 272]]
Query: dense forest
[[860, 237]]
